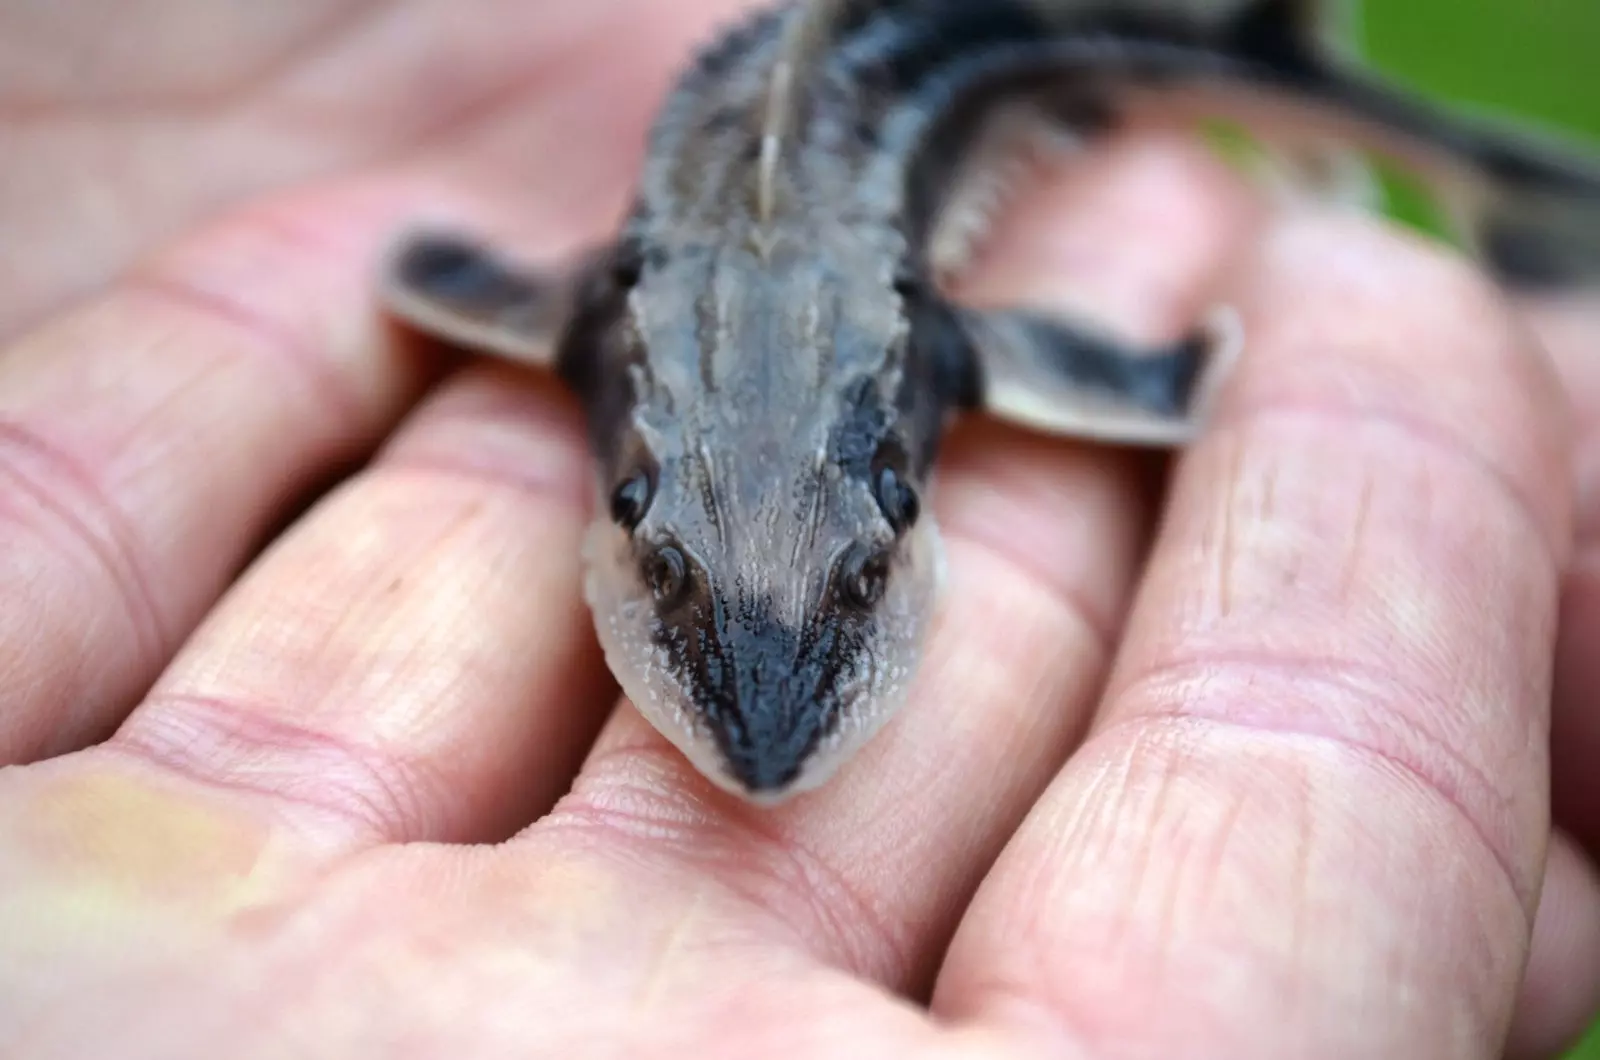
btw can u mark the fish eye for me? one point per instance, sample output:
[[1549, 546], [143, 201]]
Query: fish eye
[[631, 500], [667, 574], [909, 283], [897, 499], [865, 576], [627, 264]]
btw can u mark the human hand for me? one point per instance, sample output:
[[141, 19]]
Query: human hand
[[1305, 810]]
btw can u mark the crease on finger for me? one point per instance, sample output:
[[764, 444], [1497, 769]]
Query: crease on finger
[[327, 786], [79, 503]]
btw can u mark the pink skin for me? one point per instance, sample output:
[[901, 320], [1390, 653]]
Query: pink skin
[[1282, 791]]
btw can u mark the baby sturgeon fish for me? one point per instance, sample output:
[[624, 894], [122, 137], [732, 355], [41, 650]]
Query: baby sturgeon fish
[[767, 364]]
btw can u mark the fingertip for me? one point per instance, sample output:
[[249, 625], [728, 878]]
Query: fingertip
[[1348, 317], [1130, 237], [1561, 989]]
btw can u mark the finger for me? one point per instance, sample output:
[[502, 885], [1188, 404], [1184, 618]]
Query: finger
[[1561, 989], [1110, 261], [412, 660], [1043, 539], [1570, 329], [149, 439], [1312, 818]]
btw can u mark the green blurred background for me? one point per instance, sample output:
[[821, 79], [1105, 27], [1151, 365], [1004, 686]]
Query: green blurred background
[[1537, 59], [1530, 57], [1512, 58]]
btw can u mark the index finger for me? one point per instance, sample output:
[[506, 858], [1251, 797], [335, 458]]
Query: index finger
[[1312, 819]]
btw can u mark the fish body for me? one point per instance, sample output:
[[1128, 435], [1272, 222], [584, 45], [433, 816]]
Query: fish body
[[767, 358]]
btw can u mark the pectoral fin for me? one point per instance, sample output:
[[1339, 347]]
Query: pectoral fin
[[461, 293], [1055, 376]]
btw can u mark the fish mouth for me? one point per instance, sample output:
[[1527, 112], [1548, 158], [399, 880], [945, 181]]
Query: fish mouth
[[769, 736], [771, 772], [763, 774]]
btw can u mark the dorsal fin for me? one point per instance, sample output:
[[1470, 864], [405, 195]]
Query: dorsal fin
[[806, 38]]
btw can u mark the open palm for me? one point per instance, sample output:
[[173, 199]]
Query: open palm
[[305, 771]]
